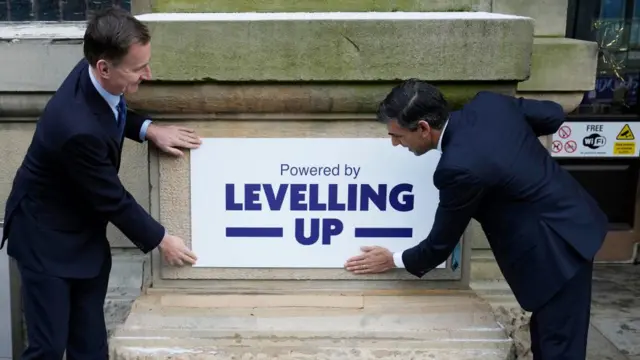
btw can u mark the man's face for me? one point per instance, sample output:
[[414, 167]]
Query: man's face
[[129, 73], [418, 141]]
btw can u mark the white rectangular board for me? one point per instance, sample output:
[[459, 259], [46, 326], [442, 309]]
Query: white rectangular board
[[596, 139], [295, 202]]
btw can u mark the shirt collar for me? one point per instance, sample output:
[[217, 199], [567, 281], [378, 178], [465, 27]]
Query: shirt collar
[[439, 148], [112, 100]]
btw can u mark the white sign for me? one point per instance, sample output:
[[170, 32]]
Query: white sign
[[596, 139], [306, 203]]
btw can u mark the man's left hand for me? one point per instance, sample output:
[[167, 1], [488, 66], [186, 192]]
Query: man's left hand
[[374, 260], [170, 138]]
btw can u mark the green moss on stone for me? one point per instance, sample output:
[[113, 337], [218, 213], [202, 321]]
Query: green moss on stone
[[317, 5]]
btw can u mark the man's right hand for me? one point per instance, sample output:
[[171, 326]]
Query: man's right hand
[[175, 252]]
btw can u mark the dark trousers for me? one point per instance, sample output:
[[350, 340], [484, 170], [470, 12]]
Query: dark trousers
[[559, 328], [65, 314]]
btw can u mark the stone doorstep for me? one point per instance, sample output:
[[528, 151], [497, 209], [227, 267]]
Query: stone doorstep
[[210, 326]]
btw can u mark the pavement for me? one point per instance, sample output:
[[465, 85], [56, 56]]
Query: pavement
[[615, 313]]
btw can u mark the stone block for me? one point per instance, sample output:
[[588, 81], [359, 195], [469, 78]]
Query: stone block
[[26, 47], [550, 15], [561, 64], [447, 46], [205, 6]]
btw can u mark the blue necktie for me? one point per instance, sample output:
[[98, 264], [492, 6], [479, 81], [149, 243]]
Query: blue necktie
[[122, 116], [455, 257]]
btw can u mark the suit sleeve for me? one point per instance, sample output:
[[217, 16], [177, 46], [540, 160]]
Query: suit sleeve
[[133, 125], [460, 194], [545, 117], [85, 158]]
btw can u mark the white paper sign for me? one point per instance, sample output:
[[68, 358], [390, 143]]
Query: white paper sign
[[596, 139], [306, 203]]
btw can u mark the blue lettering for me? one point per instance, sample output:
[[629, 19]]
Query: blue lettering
[[334, 204], [314, 232], [401, 198], [275, 200], [283, 168], [378, 198], [352, 197], [251, 197], [230, 198], [297, 197], [314, 204], [306, 197], [330, 228]]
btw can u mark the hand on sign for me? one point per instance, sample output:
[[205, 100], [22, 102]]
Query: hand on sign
[[175, 252], [374, 260], [170, 138]]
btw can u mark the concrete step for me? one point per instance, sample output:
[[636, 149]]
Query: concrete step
[[445, 325]]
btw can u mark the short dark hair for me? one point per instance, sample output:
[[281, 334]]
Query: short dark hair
[[412, 101], [109, 34]]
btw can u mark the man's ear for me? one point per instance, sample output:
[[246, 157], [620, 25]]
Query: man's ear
[[102, 68], [424, 128]]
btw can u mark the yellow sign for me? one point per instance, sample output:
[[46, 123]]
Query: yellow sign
[[625, 133], [624, 148]]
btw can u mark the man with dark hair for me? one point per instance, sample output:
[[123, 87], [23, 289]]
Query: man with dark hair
[[67, 190], [543, 227]]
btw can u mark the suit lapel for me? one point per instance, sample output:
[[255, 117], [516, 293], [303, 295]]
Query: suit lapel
[[103, 113]]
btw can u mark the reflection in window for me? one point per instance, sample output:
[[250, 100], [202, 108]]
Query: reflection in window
[[54, 10]]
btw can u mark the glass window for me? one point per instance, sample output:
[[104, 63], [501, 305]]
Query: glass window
[[53, 10]]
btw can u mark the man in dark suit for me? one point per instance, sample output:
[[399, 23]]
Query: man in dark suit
[[67, 190], [543, 227]]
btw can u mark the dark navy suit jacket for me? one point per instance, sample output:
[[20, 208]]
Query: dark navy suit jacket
[[540, 222], [67, 188]]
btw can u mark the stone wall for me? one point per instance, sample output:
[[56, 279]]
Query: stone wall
[[25, 88]]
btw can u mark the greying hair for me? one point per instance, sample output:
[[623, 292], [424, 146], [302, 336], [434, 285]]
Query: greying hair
[[413, 101], [109, 34]]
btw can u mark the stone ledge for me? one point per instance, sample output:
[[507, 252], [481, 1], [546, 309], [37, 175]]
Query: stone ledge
[[340, 46], [561, 64], [202, 6]]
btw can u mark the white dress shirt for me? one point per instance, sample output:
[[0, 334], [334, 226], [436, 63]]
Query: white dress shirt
[[113, 101], [397, 256]]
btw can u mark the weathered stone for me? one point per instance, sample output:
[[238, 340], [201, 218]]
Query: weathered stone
[[125, 285], [550, 15], [193, 101], [561, 64], [452, 325], [508, 314], [340, 46], [204, 6], [25, 47]]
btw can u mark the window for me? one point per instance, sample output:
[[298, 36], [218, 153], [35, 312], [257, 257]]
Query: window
[[615, 26], [53, 10]]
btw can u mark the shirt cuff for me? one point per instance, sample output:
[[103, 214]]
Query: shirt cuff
[[143, 130], [397, 260]]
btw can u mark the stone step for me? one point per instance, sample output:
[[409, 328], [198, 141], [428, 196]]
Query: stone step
[[458, 325]]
